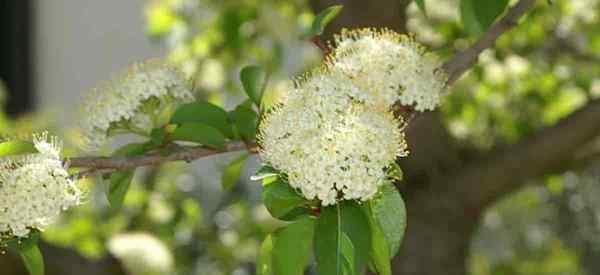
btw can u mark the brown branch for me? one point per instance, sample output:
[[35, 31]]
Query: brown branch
[[465, 59], [105, 165], [483, 181]]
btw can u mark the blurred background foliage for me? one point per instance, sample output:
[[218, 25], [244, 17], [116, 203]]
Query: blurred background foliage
[[537, 74]]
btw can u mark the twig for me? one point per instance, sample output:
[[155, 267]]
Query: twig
[[104, 165], [454, 67], [465, 59]]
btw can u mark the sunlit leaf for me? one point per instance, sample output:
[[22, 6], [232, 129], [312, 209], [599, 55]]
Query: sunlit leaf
[[16, 147], [264, 262]]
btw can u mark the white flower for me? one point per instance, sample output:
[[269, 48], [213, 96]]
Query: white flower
[[134, 101], [142, 254], [34, 189], [390, 67], [330, 143]]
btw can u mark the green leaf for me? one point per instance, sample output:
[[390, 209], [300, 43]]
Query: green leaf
[[293, 247], [253, 79], [157, 136], [120, 181], [421, 5], [478, 16], [342, 239], [232, 172], [380, 251], [31, 254], [389, 211], [266, 173], [16, 147], [324, 18], [245, 121], [264, 262], [205, 113], [199, 133], [282, 200]]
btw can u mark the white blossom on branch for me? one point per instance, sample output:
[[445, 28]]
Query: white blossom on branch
[[329, 142], [136, 100], [34, 189], [392, 67]]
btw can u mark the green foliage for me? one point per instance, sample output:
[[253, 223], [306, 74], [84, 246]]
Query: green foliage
[[380, 250], [16, 147], [478, 16], [205, 113], [264, 262], [323, 19], [292, 247], [282, 201], [199, 133], [245, 121], [119, 182], [232, 172], [342, 239], [31, 254], [390, 213], [421, 5], [254, 79]]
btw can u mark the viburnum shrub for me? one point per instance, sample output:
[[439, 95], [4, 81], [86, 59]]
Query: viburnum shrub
[[329, 149]]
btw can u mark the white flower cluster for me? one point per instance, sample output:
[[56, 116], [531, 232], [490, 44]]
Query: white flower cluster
[[330, 143], [34, 189], [392, 67], [134, 101], [334, 135], [142, 254]]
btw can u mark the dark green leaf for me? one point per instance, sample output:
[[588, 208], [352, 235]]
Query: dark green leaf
[[16, 147], [421, 5], [245, 121], [389, 211], [281, 199], [264, 263], [199, 133], [324, 18], [253, 79], [478, 16], [293, 247], [119, 185], [380, 251], [120, 181], [31, 254], [342, 239], [157, 136], [205, 113], [232, 172]]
